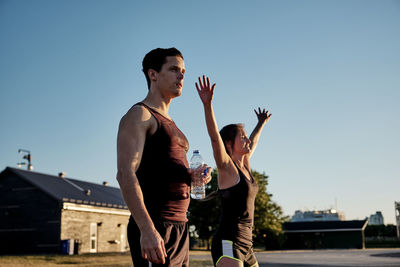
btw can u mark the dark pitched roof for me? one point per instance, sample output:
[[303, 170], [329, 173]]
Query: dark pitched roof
[[325, 226], [72, 190]]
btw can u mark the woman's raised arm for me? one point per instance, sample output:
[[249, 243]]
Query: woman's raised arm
[[206, 93], [263, 117]]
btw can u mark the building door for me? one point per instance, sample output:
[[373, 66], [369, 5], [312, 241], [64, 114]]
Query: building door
[[93, 237], [123, 238]]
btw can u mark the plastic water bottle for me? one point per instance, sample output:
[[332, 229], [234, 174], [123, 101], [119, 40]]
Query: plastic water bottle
[[197, 189]]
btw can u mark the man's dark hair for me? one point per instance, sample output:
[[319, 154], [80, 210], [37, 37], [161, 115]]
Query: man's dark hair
[[156, 58]]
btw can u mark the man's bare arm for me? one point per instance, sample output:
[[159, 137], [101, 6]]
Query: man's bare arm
[[132, 133]]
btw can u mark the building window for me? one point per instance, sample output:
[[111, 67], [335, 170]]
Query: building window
[[93, 237], [123, 238]]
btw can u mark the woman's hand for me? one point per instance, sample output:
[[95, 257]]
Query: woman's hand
[[262, 115], [206, 92]]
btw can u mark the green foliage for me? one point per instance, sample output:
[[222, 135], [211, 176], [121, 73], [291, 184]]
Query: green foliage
[[268, 215], [204, 215]]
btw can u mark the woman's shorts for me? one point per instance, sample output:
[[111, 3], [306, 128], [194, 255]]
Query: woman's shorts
[[227, 249]]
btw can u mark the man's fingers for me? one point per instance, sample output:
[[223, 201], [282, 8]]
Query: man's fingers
[[154, 257], [160, 254], [207, 175], [144, 255], [205, 170], [163, 249], [209, 170]]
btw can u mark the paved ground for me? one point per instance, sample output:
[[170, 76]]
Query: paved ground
[[329, 258]]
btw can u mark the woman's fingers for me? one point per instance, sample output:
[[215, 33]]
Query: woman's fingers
[[200, 83], [204, 84]]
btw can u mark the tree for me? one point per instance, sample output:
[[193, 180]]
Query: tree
[[268, 215], [204, 215]]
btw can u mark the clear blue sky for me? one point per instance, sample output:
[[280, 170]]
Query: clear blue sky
[[329, 71]]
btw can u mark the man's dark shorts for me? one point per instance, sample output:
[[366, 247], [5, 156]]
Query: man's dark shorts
[[176, 240]]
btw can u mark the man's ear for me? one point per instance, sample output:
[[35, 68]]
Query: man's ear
[[152, 75]]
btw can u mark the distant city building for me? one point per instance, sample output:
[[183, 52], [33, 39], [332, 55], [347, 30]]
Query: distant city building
[[325, 234], [397, 212], [317, 215], [376, 219]]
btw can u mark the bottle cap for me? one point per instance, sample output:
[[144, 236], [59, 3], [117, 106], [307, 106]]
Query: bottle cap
[[195, 151]]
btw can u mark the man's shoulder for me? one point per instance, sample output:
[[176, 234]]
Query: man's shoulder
[[137, 116], [137, 113]]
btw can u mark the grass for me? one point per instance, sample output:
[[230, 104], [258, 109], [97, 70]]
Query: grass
[[103, 260]]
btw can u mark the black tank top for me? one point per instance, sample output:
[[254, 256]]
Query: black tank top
[[237, 210], [162, 173]]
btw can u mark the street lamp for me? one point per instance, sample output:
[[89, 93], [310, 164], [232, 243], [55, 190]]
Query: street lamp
[[28, 157]]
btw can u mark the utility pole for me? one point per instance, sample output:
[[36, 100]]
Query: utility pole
[[28, 157], [397, 213]]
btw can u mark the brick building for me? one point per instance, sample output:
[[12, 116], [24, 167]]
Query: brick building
[[41, 213]]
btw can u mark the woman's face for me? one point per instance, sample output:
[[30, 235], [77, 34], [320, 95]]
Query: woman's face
[[242, 143]]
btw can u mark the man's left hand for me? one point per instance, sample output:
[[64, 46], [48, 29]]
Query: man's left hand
[[201, 174]]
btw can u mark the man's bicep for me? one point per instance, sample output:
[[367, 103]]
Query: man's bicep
[[130, 144]]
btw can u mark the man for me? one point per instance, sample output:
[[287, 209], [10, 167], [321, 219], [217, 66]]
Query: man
[[152, 167]]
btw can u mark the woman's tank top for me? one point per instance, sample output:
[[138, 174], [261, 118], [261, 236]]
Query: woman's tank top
[[162, 174], [237, 210]]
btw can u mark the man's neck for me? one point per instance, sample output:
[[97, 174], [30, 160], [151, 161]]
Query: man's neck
[[158, 102]]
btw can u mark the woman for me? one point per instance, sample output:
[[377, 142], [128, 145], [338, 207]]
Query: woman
[[232, 243]]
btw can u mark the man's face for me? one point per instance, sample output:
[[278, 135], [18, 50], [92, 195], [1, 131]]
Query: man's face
[[170, 78]]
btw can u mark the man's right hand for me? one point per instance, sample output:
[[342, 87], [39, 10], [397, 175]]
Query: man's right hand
[[153, 248]]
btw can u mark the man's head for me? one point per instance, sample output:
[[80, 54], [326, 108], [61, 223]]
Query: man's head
[[156, 58]]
